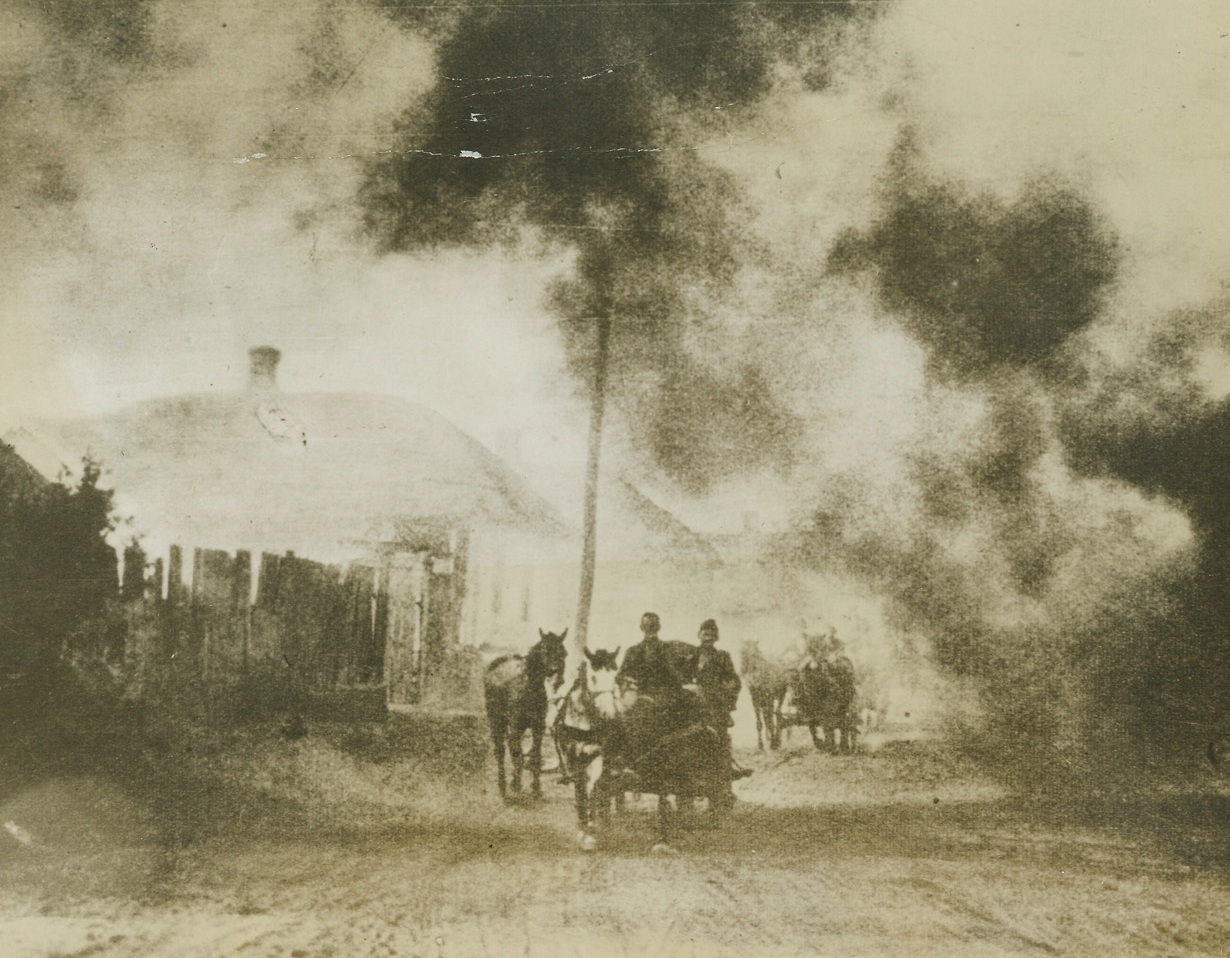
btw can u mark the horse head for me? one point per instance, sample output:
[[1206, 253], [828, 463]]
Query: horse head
[[550, 657], [816, 645], [598, 673]]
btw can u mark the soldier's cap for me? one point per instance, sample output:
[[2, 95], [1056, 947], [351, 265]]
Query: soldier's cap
[[708, 627]]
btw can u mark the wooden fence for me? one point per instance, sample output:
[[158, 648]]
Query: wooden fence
[[388, 629]]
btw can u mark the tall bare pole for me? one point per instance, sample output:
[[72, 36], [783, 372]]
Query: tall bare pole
[[589, 550]]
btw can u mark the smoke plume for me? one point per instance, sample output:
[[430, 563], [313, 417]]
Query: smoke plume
[[579, 126], [988, 286]]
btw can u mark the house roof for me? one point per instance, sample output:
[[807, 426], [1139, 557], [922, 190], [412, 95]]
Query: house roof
[[631, 526], [638, 526], [302, 471], [19, 479]]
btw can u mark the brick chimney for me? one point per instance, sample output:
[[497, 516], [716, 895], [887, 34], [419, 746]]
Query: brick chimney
[[263, 368]]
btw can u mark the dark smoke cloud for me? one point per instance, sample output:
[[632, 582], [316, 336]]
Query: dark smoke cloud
[[995, 483], [74, 58], [579, 125], [1053, 594], [1153, 424], [1061, 623], [116, 30], [985, 283]]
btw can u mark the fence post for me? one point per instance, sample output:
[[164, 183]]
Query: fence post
[[241, 606]]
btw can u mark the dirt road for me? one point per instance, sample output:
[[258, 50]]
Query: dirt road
[[901, 851]]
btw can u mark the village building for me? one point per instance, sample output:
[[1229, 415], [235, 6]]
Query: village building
[[647, 559], [358, 540]]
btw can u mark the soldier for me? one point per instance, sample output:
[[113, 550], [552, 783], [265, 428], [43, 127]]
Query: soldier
[[655, 703], [647, 665], [716, 682], [715, 678]]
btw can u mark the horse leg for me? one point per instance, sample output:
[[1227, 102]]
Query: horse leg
[[580, 791], [774, 719], [536, 761], [565, 773], [588, 792], [497, 738], [758, 711], [664, 824], [603, 795], [518, 758], [817, 736], [686, 807]]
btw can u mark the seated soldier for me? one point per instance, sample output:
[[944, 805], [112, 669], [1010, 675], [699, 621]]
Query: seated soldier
[[715, 679], [656, 702], [718, 685], [647, 666]]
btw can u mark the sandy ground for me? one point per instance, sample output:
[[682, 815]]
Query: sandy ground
[[898, 851]]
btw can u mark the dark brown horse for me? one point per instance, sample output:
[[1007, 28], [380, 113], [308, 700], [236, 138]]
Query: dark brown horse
[[614, 744], [516, 689], [767, 682]]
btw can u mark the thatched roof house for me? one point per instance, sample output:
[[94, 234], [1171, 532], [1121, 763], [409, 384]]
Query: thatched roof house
[[317, 473]]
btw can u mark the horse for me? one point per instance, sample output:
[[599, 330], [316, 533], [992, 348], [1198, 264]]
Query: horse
[[682, 658], [845, 702], [577, 732], [767, 683], [516, 690], [596, 719], [823, 696]]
